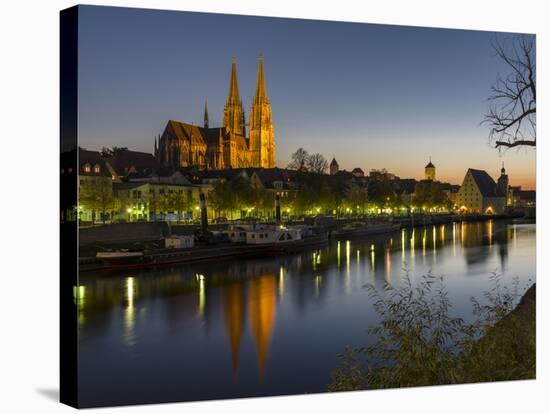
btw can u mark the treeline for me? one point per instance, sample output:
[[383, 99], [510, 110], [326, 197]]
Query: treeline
[[321, 194]]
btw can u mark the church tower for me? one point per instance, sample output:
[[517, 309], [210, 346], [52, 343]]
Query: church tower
[[429, 171], [206, 122], [233, 114], [334, 167], [262, 140], [503, 183]]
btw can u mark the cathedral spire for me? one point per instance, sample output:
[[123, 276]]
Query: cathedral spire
[[206, 122], [233, 111], [260, 82], [262, 141], [233, 84]]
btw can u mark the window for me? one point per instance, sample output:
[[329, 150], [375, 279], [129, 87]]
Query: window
[[97, 169], [87, 168]]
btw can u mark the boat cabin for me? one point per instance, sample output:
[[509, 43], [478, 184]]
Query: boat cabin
[[273, 236]]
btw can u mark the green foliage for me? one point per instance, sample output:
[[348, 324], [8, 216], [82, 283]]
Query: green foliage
[[315, 191], [96, 195], [380, 192], [238, 195], [418, 342], [429, 193], [357, 196]]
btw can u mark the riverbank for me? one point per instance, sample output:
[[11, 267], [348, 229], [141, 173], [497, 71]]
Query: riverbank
[[507, 350], [155, 254]]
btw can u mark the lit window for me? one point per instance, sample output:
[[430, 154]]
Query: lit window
[[97, 169], [87, 168]]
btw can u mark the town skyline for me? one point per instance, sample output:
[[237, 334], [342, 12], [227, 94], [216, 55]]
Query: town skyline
[[390, 106]]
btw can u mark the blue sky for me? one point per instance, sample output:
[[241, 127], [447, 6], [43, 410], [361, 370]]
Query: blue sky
[[373, 96]]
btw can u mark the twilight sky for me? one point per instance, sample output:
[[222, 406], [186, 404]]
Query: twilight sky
[[373, 96]]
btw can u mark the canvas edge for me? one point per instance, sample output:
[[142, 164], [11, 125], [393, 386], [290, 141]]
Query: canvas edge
[[68, 278]]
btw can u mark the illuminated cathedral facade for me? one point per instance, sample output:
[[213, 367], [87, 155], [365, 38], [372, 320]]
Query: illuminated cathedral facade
[[229, 146]]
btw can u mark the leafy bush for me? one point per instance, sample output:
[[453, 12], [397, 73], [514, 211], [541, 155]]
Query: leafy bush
[[418, 342]]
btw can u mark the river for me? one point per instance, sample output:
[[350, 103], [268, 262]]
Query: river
[[273, 326]]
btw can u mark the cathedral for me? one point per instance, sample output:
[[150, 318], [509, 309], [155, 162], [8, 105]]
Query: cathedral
[[229, 146]]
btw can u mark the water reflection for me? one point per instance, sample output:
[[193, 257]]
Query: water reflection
[[261, 312], [129, 311], [234, 314], [225, 325]]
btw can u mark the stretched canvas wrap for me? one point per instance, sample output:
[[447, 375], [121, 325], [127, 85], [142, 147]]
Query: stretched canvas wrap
[[256, 206]]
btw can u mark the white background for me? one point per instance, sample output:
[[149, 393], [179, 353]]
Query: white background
[[29, 76]]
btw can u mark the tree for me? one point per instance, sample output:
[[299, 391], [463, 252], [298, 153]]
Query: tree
[[236, 194], [179, 202], [429, 193], [316, 163], [96, 194], [380, 192], [356, 197], [111, 152], [512, 114], [220, 198], [299, 158]]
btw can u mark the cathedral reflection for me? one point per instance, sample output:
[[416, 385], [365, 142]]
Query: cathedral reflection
[[261, 312], [259, 301], [234, 317]]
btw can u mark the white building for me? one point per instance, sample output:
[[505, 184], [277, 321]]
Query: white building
[[480, 194]]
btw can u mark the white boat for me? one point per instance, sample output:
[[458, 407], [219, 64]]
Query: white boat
[[273, 236], [120, 257], [237, 234]]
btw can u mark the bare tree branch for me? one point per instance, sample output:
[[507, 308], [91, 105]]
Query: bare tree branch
[[512, 114], [515, 143]]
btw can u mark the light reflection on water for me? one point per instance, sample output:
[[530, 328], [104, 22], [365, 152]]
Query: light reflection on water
[[270, 326]]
